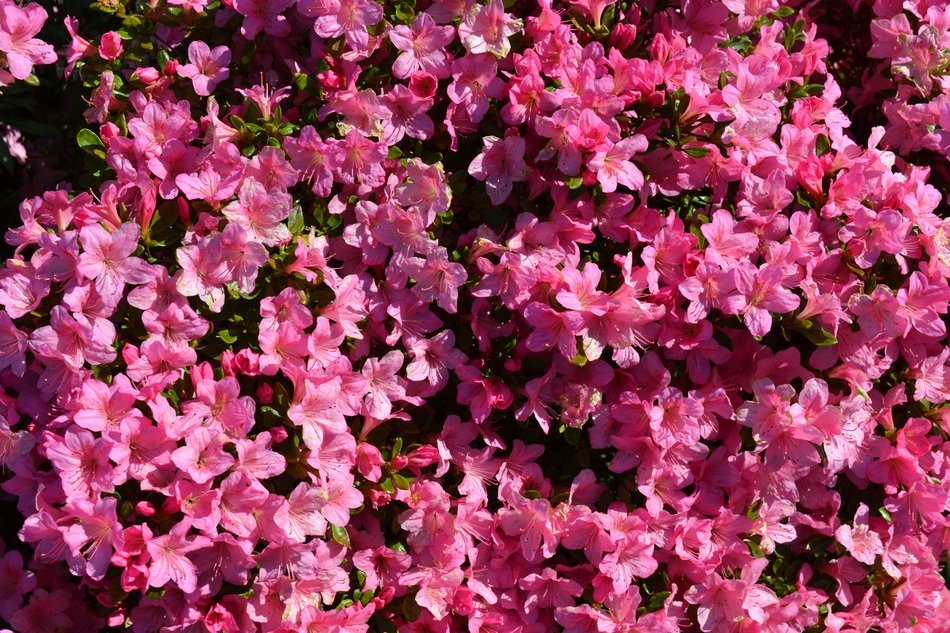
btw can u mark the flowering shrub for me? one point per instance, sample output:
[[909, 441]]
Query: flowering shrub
[[590, 316]]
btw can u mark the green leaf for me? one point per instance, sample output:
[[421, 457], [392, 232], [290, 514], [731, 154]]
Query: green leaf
[[696, 152], [296, 223], [90, 143], [887, 515], [404, 13], [340, 535], [784, 11], [227, 337], [819, 336], [401, 482], [366, 597]]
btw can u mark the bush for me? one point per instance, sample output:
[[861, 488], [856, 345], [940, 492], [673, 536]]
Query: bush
[[338, 315]]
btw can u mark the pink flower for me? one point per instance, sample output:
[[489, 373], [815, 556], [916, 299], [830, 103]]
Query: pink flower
[[760, 293], [486, 29], [82, 462], [78, 47], [107, 258], [863, 543], [13, 345], [614, 167], [308, 154], [357, 158], [500, 164], [94, 534], [15, 583], [261, 213], [74, 339], [299, 515], [384, 385], [338, 496], [263, 15], [475, 80], [18, 26], [203, 457], [437, 279], [348, 18], [207, 67], [203, 272], [422, 47], [169, 560], [431, 358]]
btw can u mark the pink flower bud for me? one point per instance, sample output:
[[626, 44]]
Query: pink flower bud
[[622, 35], [399, 462], [108, 130], [278, 434], [146, 75], [265, 394], [110, 47]]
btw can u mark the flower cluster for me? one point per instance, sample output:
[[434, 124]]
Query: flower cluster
[[479, 316]]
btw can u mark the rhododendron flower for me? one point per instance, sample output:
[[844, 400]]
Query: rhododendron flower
[[614, 167], [75, 340], [348, 18], [260, 213], [760, 292], [203, 457], [207, 67], [357, 158], [272, 359], [263, 15], [422, 47], [82, 461], [500, 164], [110, 46], [863, 543], [18, 27], [107, 258], [169, 560], [486, 29]]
